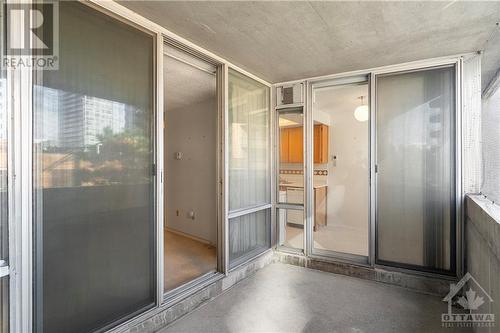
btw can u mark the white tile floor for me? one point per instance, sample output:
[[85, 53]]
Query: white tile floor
[[332, 237]]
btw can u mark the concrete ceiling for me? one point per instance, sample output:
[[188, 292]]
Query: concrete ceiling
[[281, 41]]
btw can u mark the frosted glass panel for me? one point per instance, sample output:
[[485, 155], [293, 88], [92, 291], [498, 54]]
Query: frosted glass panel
[[249, 235], [249, 143], [93, 183], [249, 171], [415, 180]]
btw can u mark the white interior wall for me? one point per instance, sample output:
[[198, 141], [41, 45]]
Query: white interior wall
[[348, 140], [190, 130], [191, 181]]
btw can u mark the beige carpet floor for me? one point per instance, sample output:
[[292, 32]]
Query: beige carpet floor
[[186, 259]]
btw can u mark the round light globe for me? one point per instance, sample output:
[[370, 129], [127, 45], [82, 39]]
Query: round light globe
[[361, 113]]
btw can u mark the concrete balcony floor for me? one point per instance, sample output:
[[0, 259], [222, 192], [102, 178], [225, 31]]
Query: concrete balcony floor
[[285, 298]]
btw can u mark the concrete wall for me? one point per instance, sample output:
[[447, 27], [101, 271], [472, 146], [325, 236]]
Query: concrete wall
[[191, 181], [482, 240]]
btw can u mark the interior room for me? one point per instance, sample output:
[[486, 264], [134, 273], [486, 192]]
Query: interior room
[[190, 233]]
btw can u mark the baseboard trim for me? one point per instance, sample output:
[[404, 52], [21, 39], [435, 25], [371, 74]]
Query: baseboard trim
[[198, 239]]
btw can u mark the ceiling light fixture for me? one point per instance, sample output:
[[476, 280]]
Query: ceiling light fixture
[[361, 112]]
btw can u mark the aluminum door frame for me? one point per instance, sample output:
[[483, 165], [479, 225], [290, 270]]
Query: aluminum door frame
[[330, 255]]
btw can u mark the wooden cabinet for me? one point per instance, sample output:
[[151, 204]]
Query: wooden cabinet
[[292, 144], [295, 145], [320, 144], [284, 151]]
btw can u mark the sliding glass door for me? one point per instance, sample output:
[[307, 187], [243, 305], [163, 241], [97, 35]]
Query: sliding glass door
[[191, 173], [93, 157], [381, 190], [415, 164]]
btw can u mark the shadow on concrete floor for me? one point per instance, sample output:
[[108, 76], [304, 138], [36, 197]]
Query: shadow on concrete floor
[[285, 298]]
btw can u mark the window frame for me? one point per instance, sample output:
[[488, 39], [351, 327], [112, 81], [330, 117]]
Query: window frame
[[256, 208], [454, 60], [172, 296]]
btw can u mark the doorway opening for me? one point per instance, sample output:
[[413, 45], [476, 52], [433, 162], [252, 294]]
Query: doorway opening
[[190, 233], [341, 168]]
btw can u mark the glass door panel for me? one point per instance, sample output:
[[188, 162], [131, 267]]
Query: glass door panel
[[416, 162], [291, 178], [93, 181], [341, 168], [291, 228]]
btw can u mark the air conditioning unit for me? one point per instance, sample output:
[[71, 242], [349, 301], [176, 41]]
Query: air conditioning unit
[[290, 94]]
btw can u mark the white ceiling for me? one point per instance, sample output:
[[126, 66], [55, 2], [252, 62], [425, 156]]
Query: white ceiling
[[186, 85], [281, 41], [344, 98]]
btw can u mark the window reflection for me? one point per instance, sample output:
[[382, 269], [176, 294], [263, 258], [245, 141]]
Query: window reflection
[[89, 141]]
